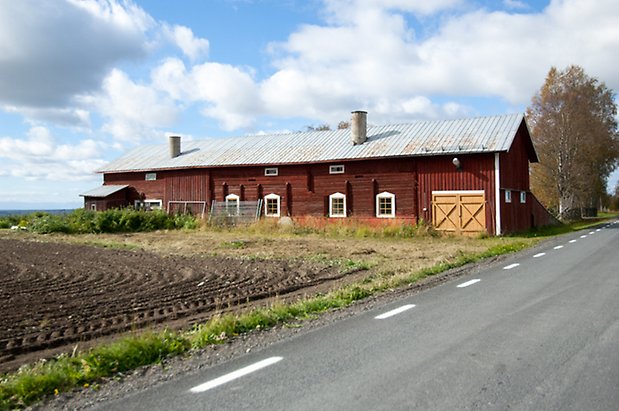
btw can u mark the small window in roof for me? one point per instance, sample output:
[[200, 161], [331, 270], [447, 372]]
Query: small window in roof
[[336, 169]]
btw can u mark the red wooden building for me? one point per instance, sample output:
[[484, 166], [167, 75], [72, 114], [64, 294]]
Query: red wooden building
[[464, 176]]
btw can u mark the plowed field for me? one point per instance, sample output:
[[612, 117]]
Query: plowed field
[[56, 294]]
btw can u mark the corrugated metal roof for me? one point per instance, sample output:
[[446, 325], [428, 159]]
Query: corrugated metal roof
[[420, 138], [104, 191]]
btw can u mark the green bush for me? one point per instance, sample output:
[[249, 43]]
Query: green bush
[[9, 221], [82, 221]]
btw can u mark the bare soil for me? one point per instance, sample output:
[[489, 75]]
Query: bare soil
[[57, 292]]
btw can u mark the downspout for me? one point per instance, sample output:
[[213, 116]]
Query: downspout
[[497, 194]]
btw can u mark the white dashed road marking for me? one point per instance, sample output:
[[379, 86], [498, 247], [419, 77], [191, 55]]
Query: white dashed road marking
[[558, 247], [394, 312], [466, 284], [539, 255], [509, 267], [573, 241], [583, 236], [234, 375]]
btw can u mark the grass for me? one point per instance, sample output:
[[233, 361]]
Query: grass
[[46, 379]]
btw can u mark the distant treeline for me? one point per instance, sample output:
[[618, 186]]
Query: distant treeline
[[23, 212], [82, 221]]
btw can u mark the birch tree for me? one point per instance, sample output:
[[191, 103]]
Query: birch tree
[[574, 129]]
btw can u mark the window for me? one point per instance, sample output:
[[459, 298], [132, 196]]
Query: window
[[385, 205], [337, 205], [271, 171], [232, 204], [93, 207], [508, 196], [523, 197], [148, 204], [271, 205], [338, 169], [150, 176]]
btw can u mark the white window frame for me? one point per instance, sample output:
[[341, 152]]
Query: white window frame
[[150, 176], [271, 171], [391, 196], [272, 196], [523, 197], [337, 196], [336, 169], [146, 204], [508, 196], [229, 199]]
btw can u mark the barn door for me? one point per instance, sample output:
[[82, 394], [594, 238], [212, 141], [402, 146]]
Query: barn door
[[459, 212]]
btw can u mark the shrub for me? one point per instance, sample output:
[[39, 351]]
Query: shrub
[[83, 221]]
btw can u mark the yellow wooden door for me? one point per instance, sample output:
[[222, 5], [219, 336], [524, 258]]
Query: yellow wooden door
[[459, 212]]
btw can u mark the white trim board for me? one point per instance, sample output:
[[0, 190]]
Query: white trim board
[[497, 194]]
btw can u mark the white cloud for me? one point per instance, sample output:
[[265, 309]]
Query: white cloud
[[515, 4], [229, 94], [183, 37], [68, 117], [52, 51], [134, 112], [40, 156], [351, 10], [369, 55]]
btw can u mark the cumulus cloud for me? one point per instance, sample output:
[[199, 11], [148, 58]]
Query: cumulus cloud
[[71, 117], [339, 11], [227, 93], [183, 37], [133, 111], [52, 51], [515, 4], [370, 56], [366, 55], [40, 156]]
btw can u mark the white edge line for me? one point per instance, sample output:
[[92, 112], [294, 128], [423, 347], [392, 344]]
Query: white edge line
[[573, 241], [466, 284], [591, 232], [539, 255], [509, 267], [234, 375], [394, 312], [583, 236], [558, 247], [598, 230]]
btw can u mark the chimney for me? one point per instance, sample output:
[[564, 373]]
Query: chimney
[[175, 146], [358, 127]]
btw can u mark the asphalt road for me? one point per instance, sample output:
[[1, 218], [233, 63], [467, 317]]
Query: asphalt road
[[540, 331]]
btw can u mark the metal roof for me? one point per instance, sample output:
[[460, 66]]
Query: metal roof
[[104, 191], [419, 138]]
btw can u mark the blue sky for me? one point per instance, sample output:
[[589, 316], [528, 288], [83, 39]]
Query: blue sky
[[82, 81]]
